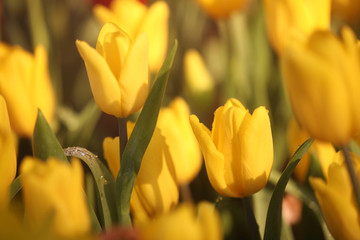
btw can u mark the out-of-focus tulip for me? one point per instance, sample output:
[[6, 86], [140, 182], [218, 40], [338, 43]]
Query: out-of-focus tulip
[[322, 151], [7, 155], [135, 18], [323, 85], [285, 16], [347, 10], [185, 222], [221, 8], [238, 151], [55, 188], [155, 191], [197, 78], [117, 70], [337, 200], [25, 84], [174, 125]]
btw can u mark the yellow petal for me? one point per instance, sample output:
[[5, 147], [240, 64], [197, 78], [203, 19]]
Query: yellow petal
[[129, 15], [43, 92], [256, 152], [104, 86], [214, 159], [155, 24], [134, 78], [183, 146], [8, 160], [111, 149]]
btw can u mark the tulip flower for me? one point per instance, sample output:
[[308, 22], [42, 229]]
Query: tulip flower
[[174, 124], [55, 188], [221, 8], [322, 151], [7, 155], [135, 18], [337, 200], [238, 152], [284, 16], [323, 85], [197, 77], [155, 190], [117, 70], [185, 222], [25, 84]]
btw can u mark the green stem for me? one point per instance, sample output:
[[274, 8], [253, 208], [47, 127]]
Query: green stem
[[253, 226], [122, 134], [354, 179]]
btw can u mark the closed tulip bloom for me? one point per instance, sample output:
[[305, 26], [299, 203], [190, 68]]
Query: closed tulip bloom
[[284, 16], [221, 8], [337, 200], [25, 84], [117, 70], [185, 222], [174, 124], [322, 151], [197, 77], [323, 85], [238, 152], [155, 191], [135, 18], [55, 188], [7, 156]]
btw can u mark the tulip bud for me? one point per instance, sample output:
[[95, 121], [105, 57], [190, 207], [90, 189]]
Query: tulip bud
[[155, 190], [323, 85], [185, 222], [238, 152], [7, 155], [174, 124], [55, 187], [25, 84], [284, 16], [221, 8], [337, 200], [117, 70], [135, 18], [322, 151]]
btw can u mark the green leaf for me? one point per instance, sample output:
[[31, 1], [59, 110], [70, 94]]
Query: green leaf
[[15, 187], [273, 219], [104, 182], [45, 143], [139, 140]]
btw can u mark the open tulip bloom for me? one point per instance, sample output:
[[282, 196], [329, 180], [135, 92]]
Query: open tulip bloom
[[182, 166]]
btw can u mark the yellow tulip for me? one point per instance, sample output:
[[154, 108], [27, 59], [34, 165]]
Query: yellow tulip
[[174, 124], [238, 152], [186, 222], [221, 8], [197, 78], [7, 155], [322, 151], [323, 85], [25, 84], [284, 16], [155, 191], [55, 188], [337, 200], [347, 10], [117, 70], [135, 18]]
